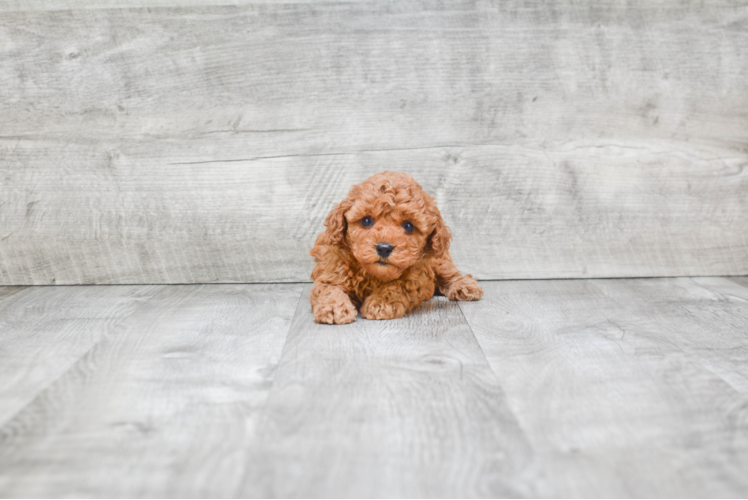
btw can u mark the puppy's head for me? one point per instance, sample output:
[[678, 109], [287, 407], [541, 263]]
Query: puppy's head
[[389, 223]]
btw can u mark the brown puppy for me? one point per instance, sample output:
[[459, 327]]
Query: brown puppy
[[384, 250]]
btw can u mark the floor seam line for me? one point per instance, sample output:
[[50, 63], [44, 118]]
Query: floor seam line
[[690, 354], [262, 410], [71, 365]]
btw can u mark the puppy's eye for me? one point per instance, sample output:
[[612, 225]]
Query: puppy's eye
[[367, 221], [408, 227]]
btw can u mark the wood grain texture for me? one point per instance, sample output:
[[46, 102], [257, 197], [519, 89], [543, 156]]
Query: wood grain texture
[[599, 388], [206, 143], [705, 317], [398, 408], [514, 212], [45, 331], [612, 395], [164, 408], [7, 291], [740, 280], [32, 5]]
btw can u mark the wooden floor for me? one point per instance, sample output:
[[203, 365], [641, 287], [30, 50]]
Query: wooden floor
[[571, 388]]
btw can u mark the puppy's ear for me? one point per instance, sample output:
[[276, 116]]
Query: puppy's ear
[[438, 241], [336, 223]]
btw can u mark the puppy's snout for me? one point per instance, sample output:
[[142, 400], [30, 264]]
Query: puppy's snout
[[384, 250]]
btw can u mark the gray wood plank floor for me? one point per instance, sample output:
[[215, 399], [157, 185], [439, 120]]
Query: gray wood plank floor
[[611, 391], [405, 407], [603, 388], [160, 407], [44, 331]]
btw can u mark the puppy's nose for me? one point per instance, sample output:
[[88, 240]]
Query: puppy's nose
[[384, 250]]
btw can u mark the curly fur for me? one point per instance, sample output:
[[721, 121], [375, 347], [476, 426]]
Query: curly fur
[[350, 276]]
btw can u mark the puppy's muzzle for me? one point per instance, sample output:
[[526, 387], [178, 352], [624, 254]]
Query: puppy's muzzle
[[384, 250]]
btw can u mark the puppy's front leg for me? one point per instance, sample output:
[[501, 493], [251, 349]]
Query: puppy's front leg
[[331, 305], [387, 302], [453, 284]]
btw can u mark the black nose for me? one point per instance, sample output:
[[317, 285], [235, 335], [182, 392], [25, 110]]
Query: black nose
[[384, 250]]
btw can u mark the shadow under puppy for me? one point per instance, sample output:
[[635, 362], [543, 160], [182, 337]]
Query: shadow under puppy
[[384, 251]]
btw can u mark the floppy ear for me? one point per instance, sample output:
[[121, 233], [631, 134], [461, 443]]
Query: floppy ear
[[336, 223], [438, 242]]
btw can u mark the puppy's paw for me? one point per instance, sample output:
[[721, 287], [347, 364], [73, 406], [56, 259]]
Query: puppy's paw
[[465, 288], [335, 309], [377, 308]]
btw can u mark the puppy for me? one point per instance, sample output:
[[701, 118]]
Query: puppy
[[384, 251]]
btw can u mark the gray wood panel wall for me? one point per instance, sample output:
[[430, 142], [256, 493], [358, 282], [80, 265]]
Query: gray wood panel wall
[[197, 142]]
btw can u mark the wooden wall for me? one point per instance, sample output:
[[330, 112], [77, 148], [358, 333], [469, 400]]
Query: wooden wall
[[198, 142]]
